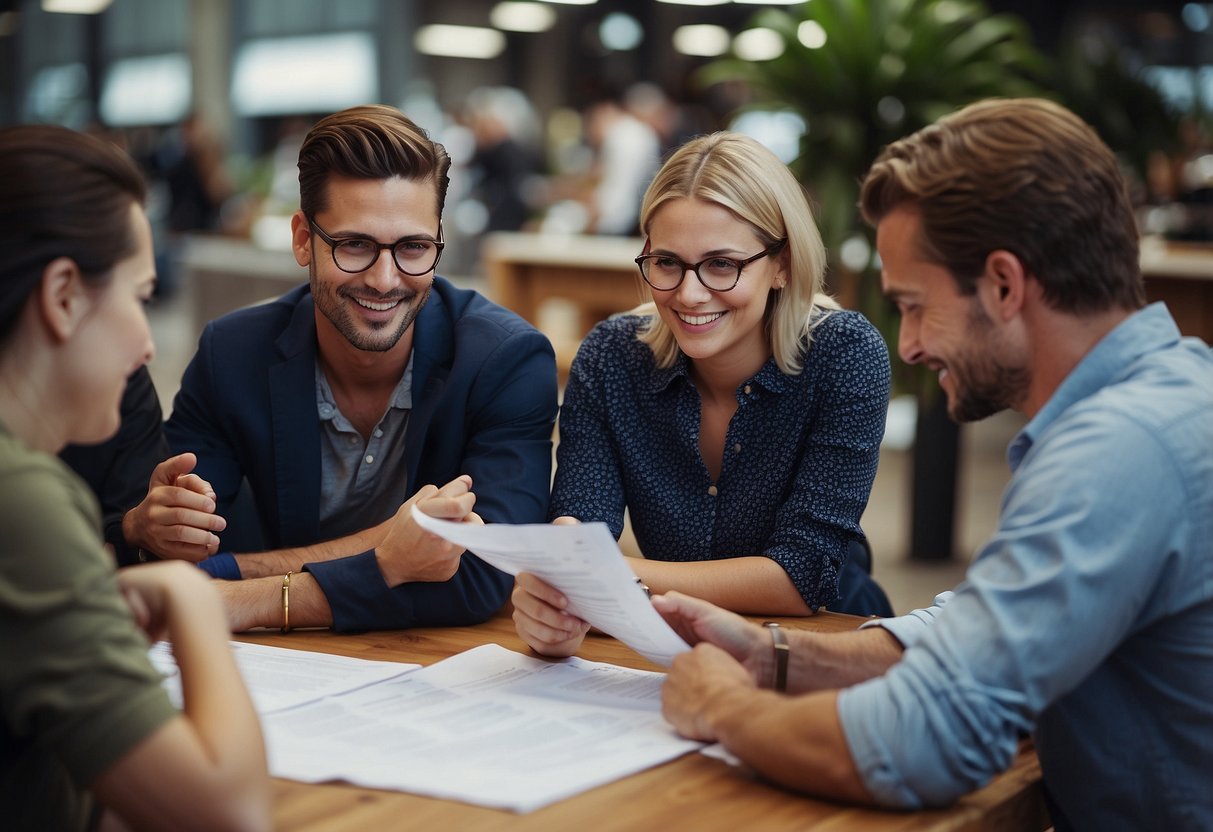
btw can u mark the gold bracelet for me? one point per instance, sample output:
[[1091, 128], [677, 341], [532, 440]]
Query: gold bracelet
[[779, 642], [286, 602]]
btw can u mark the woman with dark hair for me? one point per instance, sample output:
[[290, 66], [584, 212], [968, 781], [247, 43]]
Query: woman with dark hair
[[87, 729]]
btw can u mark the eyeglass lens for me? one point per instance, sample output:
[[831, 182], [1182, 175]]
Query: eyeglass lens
[[662, 272], [412, 256]]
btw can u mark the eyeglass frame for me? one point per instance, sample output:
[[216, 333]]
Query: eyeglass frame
[[773, 248], [333, 242]]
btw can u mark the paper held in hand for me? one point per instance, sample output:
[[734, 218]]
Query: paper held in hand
[[582, 561]]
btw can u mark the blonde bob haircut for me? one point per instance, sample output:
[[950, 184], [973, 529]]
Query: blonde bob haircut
[[741, 175]]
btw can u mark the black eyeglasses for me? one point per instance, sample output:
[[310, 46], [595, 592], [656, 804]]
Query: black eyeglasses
[[412, 255], [664, 272]]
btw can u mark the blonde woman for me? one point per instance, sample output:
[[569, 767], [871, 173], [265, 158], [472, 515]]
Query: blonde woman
[[737, 417]]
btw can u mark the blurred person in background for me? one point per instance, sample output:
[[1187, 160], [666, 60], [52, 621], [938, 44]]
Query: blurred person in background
[[627, 152], [673, 123], [506, 158], [88, 737], [191, 158], [190, 162]]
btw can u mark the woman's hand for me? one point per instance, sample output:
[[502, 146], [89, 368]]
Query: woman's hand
[[149, 590], [541, 621]]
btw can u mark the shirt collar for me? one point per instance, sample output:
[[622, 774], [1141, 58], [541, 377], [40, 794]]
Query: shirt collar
[[768, 376], [326, 403], [1144, 331]]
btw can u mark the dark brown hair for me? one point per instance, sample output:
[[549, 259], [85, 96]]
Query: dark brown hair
[[62, 194], [368, 142], [1021, 175]]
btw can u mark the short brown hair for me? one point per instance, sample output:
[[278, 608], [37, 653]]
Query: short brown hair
[[62, 194], [1022, 175], [368, 142]]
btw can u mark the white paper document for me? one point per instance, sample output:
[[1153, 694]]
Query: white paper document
[[582, 561], [488, 726], [278, 677]]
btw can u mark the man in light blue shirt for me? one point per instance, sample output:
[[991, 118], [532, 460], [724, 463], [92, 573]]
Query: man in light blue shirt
[[1008, 243]]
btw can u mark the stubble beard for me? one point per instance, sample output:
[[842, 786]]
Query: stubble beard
[[983, 381], [377, 340]]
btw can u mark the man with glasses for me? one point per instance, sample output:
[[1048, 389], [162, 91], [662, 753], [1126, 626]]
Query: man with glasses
[[1008, 243], [376, 386]]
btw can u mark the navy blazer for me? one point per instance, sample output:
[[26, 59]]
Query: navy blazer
[[484, 404]]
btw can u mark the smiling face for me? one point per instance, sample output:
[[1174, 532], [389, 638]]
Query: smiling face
[[112, 341], [980, 370], [718, 331], [374, 309]]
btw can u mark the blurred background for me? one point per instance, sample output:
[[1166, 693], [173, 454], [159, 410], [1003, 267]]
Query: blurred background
[[556, 115]]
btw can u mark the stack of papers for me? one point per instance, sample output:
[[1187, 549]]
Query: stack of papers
[[488, 726], [279, 679]]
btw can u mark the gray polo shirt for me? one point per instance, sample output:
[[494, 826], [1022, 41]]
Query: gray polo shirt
[[362, 482]]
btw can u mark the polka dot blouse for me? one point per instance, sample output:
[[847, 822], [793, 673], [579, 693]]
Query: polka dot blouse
[[799, 459]]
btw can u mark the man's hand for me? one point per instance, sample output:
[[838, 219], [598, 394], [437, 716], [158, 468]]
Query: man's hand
[[698, 621], [701, 686], [408, 552], [177, 517]]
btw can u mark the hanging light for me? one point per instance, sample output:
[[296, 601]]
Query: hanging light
[[76, 6]]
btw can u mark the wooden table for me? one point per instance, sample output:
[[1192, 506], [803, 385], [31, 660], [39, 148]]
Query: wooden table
[[1181, 275], [692, 792], [598, 275]]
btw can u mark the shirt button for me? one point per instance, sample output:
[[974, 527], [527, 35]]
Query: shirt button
[[353, 440], [747, 389], [325, 411], [370, 458], [737, 448], [711, 491], [378, 433]]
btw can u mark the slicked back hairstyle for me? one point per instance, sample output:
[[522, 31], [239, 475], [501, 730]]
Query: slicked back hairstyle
[[739, 174], [368, 142], [62, 194], [1022, 175]]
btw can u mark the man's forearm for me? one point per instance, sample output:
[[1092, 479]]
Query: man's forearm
[[259, 603], [280, 561], [797, 742], [828, 661]]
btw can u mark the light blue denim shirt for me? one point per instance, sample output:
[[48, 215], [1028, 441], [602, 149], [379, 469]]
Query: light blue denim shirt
[[1087, 619]]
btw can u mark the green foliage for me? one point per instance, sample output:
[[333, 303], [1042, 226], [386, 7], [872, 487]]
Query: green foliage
[[882, 69], [887, 68], [1100, 85]]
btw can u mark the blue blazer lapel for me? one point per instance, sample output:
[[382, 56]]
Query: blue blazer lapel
[[296, 429], [433, 342]]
